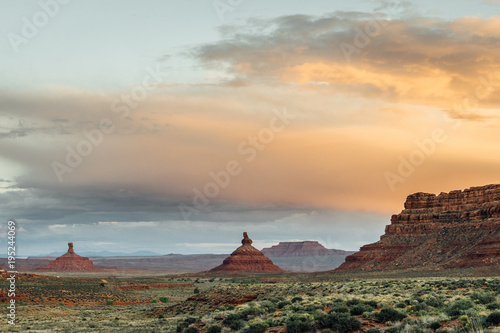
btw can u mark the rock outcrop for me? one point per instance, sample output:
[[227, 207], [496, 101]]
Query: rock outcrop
[[451, 230], [247, 258], [301, 249], [70, 262]]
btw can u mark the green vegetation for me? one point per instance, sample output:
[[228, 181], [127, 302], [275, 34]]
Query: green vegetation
[[295, 304]]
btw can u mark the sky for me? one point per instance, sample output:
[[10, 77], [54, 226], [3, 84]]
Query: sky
[[174, 126]]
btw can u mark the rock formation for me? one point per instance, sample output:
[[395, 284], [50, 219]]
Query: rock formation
[[247, 258], [451, 230], [301, 249], [70, 262]]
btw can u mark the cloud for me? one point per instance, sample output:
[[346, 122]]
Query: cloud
[[54, 226], [354, 122], [417, 60], [332, 156]]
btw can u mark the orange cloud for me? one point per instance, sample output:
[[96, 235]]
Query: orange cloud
[[423, 61]]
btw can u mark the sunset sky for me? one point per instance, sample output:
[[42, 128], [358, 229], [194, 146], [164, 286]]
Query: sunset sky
[[174, 126]]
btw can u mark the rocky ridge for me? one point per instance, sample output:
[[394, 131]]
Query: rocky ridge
[[446, 231]]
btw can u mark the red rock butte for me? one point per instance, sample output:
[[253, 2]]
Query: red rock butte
[[447, 231], [301, 249], [247, 258], [70, 262]]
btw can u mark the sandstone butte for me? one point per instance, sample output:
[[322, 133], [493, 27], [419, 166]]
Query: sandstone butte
[[247, 258], [70, 262], [448, 231], [301, 249]]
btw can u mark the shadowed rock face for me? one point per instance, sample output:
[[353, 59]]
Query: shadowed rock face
[[446, 231], [247, 258], [70, 262]]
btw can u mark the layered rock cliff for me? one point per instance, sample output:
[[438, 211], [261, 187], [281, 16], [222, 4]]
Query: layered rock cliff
[[450, 230], [301, 249], [70, 262], [247, 258]]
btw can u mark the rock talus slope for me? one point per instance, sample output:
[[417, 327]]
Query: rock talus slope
[[446, 231], [70, 262], [247, 258]]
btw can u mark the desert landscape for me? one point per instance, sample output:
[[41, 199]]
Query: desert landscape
[[250, 166], [424, 275]]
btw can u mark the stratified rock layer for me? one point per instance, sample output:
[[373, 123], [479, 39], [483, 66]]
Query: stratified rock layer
[[70, 262], [301, 249], [451, 230], [247, 258]]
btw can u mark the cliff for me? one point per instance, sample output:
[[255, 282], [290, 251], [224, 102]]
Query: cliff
[[446, 231]]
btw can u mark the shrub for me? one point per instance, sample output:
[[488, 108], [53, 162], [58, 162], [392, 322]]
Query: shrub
[[268, 307], [109, 302], [189, 321], [297, 326], [435, 325], [359, 309], [395, 329], [435, 302], [190, 330], [373, 304], [340, 309], [255, 328], [390, 314], [420, 307], [458, 307], [483, 298], [185, 323], [234, 322], [282, 304], [252, 311], [352, 302], [401, 305], [164, 299], [373, 330], [214, 329], [296, 299], [237, 325], [493, 319], [339, 322], [493, 306], [196, 290]]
